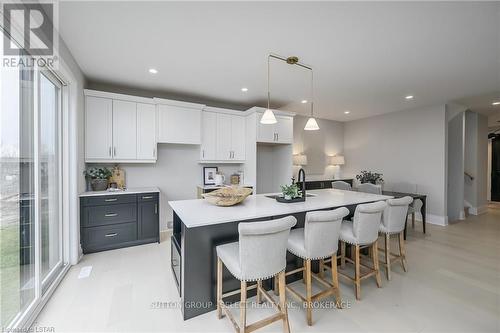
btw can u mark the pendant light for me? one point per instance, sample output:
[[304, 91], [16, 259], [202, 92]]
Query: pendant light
[[312, 124], [268, 117]]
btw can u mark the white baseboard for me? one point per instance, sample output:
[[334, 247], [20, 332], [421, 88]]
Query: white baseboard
[[478, 210], [434, 219]]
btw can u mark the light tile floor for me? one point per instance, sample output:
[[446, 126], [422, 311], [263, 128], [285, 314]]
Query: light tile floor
[[452, 285]]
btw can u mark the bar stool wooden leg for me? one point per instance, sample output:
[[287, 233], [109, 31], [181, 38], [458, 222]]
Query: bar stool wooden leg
[[308, 292], [402, 250], [275, 289], [321, 268], [335, 282], [342, 254], [259, 296], [243, 307], [357, 280], [376, 264], [387, 255], [304, 277], [219, 288], [284, 310], [413, 220]]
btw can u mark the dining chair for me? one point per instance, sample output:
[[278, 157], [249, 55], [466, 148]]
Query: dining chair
[[341, 185], [369, 188]]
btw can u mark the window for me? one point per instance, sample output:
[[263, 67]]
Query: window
[[31, 225]]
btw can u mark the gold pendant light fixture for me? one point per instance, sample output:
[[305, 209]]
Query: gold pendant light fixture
[[268, 116]]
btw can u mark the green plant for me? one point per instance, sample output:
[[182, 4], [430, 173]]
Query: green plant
[[291, 191], [97, 173], [369, 177]]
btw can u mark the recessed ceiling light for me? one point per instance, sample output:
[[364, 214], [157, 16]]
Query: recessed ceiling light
[[304, 101], [153, 71], [347, 111], [244, 89], [495, 103], [409, 97]]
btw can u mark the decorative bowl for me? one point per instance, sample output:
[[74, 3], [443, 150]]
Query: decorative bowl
[[227, 196]]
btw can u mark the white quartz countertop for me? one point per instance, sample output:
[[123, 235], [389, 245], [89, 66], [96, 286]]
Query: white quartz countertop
[[199, 212], [132, 190]]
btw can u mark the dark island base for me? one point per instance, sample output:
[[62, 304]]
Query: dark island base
[[194, 263]]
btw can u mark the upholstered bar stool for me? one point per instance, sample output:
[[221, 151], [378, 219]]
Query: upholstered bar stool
[[393, 223], [259, 254], [362, 232], [340, 185], [369, 188], [317, 240]]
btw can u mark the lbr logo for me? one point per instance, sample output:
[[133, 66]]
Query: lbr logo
[[33, 21]]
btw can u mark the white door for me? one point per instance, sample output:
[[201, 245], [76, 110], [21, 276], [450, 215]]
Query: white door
[[208, 136], [284, 129], [224, 124], [265, 132], [179, 125], [98, 128], [238, 137], [146, 131], [124, 130]]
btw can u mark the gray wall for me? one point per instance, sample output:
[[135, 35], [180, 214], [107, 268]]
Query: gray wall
[[318, 145], [408, 147]]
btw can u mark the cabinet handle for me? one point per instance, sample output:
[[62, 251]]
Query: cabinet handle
[[229, 154], [111, 234], [203, 153], [109, 151], [156, 208], [111, 215], [154, 152], [110, 200], [147, 197], [114, 151], [277, 137]]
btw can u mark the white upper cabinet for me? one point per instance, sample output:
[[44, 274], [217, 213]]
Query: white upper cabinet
[[98, 133], [238, 137], [124, 130], [223, 136], [281, 132], [208, 136], [178, 124], [119, 128], [146, 131]]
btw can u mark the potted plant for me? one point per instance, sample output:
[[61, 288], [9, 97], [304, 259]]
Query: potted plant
[[98, 178], [290, 191], [370, 177]]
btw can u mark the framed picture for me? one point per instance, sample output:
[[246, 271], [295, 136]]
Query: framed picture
[[209, 175]]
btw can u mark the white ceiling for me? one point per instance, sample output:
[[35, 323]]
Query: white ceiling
[[366, 56]]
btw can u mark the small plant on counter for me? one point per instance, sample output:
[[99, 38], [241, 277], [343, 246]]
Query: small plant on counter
[[98, 178], [291, 191], [370, 177]]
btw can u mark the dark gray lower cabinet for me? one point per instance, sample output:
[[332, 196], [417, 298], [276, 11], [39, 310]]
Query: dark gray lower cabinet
[[110, 222]]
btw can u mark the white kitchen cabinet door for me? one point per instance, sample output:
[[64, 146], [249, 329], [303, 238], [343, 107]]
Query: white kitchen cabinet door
[[98, 128], [265, 132], [146, 132], [179, 125], [238, 137], [208, 136], [284, 129], [224, 135], [124, 130]]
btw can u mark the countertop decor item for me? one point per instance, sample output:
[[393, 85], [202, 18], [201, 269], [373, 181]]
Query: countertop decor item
[[370, 177], [209, 175], [98, 178], [228, 196], [118, 177]]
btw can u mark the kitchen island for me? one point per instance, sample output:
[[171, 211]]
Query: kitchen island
[[198, 227]]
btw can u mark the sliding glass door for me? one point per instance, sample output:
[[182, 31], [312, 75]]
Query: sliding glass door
[[31, 226]]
